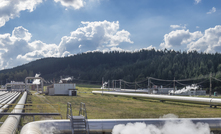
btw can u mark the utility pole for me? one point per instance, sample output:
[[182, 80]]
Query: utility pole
[[102, 84], [174, 86], [135, 85], [112, 84], [210, 85], [108, 84], [148, 84], [120, 83]]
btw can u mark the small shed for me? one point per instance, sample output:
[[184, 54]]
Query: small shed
[[72, 92]]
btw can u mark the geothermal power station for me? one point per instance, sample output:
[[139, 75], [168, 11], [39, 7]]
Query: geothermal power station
[[81, 124]]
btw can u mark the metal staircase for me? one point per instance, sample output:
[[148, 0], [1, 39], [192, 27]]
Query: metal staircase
[[79, 124]]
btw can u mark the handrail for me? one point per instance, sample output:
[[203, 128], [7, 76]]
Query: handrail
[[83, 112], [70, 116]]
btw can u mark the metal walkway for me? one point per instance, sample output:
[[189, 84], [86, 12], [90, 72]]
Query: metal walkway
[[79, 124]]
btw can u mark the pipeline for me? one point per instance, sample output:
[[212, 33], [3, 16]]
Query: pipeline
[[196, 100], [130, 91], [7, 98], [11, 123], [106, 125], [9, 102], [3, 93]]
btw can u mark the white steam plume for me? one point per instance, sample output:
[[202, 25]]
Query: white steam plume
[[185, 89], [36, 81], [66, 79], [172, 126]]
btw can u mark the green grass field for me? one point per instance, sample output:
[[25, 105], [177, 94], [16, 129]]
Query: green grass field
[[110, 107]]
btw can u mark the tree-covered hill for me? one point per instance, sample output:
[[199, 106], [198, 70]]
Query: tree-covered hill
[[130, 66]]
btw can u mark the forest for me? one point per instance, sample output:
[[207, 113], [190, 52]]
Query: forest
[[91, 67]]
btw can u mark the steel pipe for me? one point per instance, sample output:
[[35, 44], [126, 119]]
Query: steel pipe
[[196, 100], [106, 125], [4, 97], [11, 123], [7, 99], [10, 102], [129, 91], [3, 92]]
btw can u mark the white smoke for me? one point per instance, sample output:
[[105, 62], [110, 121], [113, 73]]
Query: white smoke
[[172, 126], [169, 116], [185, 89], [36, 81], [66, 79], [104, 85]]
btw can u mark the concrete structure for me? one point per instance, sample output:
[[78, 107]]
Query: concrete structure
[[61, 89], [34, 78], [16, 86]]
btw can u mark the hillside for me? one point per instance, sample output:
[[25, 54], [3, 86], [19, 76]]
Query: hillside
[[129, 66]]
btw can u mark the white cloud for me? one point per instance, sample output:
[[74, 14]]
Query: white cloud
[[213, 10], [150, 48], [210, 42], [17, 48], [10, 9], [98, 35], [178, 26], [197, 1], [179, 37], [21, 33], [38, 50], [76, 4]]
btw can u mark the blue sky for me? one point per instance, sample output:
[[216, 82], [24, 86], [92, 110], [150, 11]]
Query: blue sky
[[35, 29]]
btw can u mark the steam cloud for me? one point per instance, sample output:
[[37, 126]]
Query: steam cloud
[[185, 89], [36, 81], [173, 126], [66, 79]]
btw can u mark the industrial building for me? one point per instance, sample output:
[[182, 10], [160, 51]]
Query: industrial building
[[62, 89]]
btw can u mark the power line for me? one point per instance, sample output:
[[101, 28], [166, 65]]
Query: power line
[[216, 79]]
